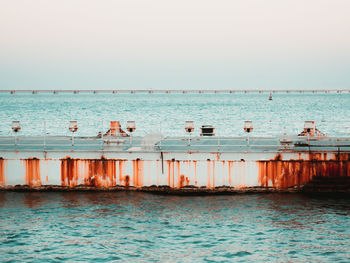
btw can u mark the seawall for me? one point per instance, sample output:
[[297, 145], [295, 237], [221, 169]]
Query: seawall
[[177, 171]]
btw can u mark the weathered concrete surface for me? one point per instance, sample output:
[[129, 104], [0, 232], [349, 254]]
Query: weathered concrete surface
[[325, 168]]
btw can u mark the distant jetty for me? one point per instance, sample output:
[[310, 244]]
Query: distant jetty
[[165, 91]]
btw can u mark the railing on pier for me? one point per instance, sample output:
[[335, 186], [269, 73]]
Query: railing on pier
[[231, 128], [230, 136], [175, 144]]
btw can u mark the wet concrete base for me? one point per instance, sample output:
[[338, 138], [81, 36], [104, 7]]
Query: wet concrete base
[[314, 187], [328, 184]]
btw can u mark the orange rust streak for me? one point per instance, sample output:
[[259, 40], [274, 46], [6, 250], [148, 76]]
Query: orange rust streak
[[102, 172], [181, 181], [230, 164], [223, 172], [213, 174], [106, 176], [69, 172], [262, 173], [195, 172], [134, 172], [173, 173], [32, 176], [208, 174], [180, 178], [99, 173], [127, 180], [283, 174], [137, 178], [2, 173], [168, 165], [121, 171], [157, 173]]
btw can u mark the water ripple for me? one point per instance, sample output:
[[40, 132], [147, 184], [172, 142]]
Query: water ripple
[[141, 227]]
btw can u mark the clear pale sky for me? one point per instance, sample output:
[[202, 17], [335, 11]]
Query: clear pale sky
[[182, 44]]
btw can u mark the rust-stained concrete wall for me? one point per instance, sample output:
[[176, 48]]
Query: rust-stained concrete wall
[[176, 170]]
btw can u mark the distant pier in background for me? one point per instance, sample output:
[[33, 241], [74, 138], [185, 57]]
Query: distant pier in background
[[177, 91]]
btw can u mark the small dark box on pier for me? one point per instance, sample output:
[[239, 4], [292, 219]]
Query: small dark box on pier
[[207, 130]]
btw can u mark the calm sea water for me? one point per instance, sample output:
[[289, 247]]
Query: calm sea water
[[140, 227], [167, 112]]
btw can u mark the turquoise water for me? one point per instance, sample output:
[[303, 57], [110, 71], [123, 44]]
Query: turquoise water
[[167, 112], [140, 227]]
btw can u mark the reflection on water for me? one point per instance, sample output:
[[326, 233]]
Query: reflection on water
[[141, 227]]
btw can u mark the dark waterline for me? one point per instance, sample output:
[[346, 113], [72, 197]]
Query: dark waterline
[[104, 226]]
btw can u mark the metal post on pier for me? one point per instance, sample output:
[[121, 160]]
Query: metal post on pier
[[218, 136], [160, 131], [131, 127], [189, 128], [102, 136], [44, 135], [248, 128], [73, 127], [16, 127]]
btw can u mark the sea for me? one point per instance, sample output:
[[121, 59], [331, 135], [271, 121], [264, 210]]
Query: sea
[[50, 113], [143, 227]]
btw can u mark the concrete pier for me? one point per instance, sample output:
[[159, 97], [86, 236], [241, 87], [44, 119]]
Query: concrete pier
[[175, 164]]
